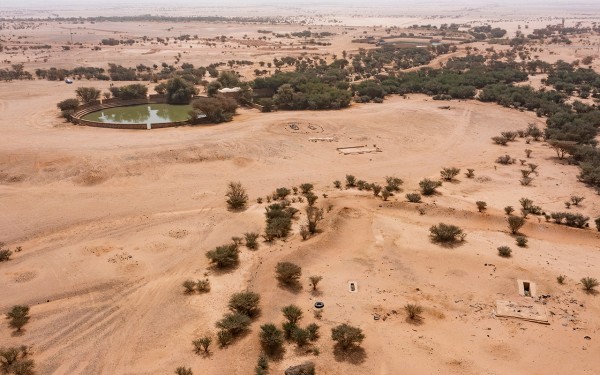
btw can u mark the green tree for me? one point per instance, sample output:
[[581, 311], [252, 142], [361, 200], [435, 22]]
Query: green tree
[[180, 91], [216, 109], [87, 94]]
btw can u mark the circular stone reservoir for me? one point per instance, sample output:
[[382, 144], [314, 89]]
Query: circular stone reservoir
[[141, 114]]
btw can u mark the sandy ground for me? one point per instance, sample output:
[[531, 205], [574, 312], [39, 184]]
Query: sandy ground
[[111, 222]]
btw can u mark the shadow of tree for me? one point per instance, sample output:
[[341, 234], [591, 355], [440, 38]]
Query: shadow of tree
[[353, 354]]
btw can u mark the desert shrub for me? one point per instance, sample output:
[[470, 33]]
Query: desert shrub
[[526, 181], [350, 181], [245, 303], [300, 336], [413, 197], [251, 240], [216, 109], [504, 251], [313, 216], [203, 286], [262, 366], [288, 273], [509, 210], [515, 223], [189, 286], [4, 253], [532, 167], [337, 184], [183, 371], [292, 313], [448, 174], [528, 152], [527, 207], [521, 241], [232, 325], [13, 360], [385, 194], [505, 160], [525, 172], [597, 221], [202, 344], [446, 233], [311, 199], [376, 189], [288, 329], [313, 331], [279, 220], [481, 206], [236, 196], [509, 136], [18, 316], [470, 173], [413, 311], [282, 192], [589, 284], [271, 338], [575, 199], [572, 220], [304, 232], [347, 336], [306, 188], [361, 184], [500, 140], [393, 183], [560, 279], [428, 186], [314, 281], [224, 256], [306, 368], [87, 94]]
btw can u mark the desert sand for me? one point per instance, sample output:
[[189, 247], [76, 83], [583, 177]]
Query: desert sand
[[111, 222]]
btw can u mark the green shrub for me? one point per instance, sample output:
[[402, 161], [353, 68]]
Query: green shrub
[[292, 313], [481, 206], [504, 251], [251, 240], [560, 279], [448, 174], [470, 173], [428, 186], [521, 241], [515, 223], [288, 273], [190, 286], [271, 338], [202, 344], [282, 192], [413, 311], [245, 303], [224, 256], [446, 233], [589, 284], [18, 316], [350, 181], [236, 196], [279, 220], [347, 336], [413, 197], [306, 188]]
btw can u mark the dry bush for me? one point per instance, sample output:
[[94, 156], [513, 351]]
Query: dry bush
[[446, 233], [413, 311]]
